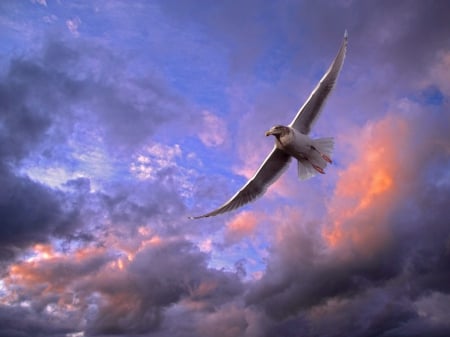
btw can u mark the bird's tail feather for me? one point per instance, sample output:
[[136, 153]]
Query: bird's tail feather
[[318, 158], [305, 170], [324, 145]]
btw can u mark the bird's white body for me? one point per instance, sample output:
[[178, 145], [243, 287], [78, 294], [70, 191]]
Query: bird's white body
[[312, 155], [295, 143]]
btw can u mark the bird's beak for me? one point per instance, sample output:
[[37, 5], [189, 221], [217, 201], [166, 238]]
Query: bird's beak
[[269, 132]]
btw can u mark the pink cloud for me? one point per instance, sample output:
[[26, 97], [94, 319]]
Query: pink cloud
[[241, 226]]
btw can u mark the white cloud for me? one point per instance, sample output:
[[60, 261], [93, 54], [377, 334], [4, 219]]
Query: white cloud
[[40, 2], [153, 159], [160, 162], [73, 25], [51, 176]]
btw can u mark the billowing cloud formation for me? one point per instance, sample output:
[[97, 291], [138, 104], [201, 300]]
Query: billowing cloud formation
[[359, 196], [115, 126], [104, 292]]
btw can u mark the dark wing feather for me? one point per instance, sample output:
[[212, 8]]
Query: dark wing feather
[[275, 163], [310, 111]]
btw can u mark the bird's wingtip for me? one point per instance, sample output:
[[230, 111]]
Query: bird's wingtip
[[346, 34], [197, 217]]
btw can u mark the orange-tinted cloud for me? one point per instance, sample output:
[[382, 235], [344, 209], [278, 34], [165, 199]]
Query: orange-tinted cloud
[[366, 189], [54, 271]]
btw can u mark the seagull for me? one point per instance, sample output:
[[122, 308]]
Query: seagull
[[312, 155]]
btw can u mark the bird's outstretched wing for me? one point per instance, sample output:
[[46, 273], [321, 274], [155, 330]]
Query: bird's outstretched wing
[[275, 163], [310, 110]]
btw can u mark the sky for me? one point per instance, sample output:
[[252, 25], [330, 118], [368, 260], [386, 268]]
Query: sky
[[120, 119]]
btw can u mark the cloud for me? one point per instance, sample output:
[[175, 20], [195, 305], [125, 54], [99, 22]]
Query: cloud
[[61, 109], [395, 27], [91, 90], [155, 158], [40, 2], [126, 297], [20, 321], [73, 25], [240, 226], [214, 131], [229, 322], [31, 213], [341, 317], [150, 289], [367, 187], [50, 18], [439, 74], [22, 126]]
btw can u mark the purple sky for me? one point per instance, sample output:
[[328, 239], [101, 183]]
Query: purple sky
[[119, 119]]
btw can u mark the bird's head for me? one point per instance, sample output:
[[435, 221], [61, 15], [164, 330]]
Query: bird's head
[[277, 131]]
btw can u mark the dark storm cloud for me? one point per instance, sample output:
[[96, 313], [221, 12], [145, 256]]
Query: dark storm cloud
[[30, 213], [299, 279], [159, 276], [344, 317], [108, 301], [22, 126]]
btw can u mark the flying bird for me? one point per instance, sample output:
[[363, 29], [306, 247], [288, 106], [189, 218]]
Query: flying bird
[[312, 155]]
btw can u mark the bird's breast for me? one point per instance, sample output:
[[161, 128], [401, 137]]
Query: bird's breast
[[296, 144]]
